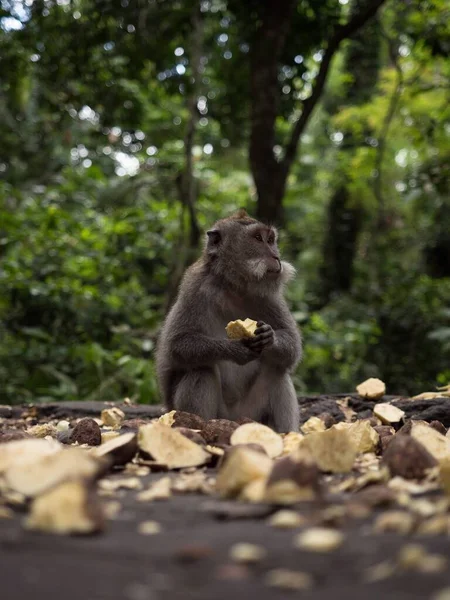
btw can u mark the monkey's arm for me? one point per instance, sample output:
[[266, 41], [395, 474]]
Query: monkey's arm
[[278, 338], [199, 350]]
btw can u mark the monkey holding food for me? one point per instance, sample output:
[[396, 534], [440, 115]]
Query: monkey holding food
[[201, 370]]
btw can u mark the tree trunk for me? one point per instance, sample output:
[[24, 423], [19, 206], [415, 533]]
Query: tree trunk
[[265, 55], [269, 174]]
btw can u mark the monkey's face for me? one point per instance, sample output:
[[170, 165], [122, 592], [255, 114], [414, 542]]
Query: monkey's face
[[260, 252], [246, 249]]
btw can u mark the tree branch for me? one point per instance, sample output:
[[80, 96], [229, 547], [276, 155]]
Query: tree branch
[[341, 33]]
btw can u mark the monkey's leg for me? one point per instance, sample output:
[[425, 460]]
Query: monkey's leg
[[199, 392], [284, 413]]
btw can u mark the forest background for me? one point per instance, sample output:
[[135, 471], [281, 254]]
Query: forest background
[[128, 127]]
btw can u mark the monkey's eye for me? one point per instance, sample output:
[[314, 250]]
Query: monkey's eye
[[258, 237], [271, 240]]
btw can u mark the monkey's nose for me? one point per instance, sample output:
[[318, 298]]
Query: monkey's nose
[[275, 265]]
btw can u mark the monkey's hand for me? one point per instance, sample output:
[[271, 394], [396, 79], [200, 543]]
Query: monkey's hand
[[241, 353], [263, 338]]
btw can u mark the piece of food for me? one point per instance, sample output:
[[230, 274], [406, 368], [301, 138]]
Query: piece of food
[[34, 478], [291, 442], [26, 451], [160, 490], [363, 435], [286, 519], [294, 478], [237, 330], [333, 450], [247, 553], [444, 474], [285, 579], [255, 433], [149, 528], [387, 413], [371, 388], [407, 457], [125, 483], [70, 507], [397, 521], [112, 417], [86, 431], [42, 430], [170, 447], [437, 444], [241, 466], [313, 424], [254, 491], [319, 539]]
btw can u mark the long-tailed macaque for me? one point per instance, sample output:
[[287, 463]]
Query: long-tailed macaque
[[239, 275]]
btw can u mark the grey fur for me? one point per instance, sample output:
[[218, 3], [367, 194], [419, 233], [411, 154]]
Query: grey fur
[[203, 372]]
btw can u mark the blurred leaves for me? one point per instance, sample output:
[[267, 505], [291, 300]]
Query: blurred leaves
[[93, 115]]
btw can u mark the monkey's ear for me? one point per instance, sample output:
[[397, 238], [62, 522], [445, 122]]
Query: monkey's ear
[[214, 237]]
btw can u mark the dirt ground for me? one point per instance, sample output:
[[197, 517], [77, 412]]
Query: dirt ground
[[190, 559]]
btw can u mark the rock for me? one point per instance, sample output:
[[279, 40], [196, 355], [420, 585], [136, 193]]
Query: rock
[[293, 479], [179, 418], [427, 410], [256, 433], [87, 432], [374, 495], [328, 419], [407, 457], [12, 435], [439, 427], [387, 413], [192, 553], [170, 447], [132, 425], [312, 406], [189, 420], [192, 435], [218, 431], [371, 388]]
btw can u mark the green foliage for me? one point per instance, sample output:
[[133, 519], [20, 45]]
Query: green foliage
[[93, 121]]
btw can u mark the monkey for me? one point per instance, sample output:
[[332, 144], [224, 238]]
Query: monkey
[[240, 274]]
